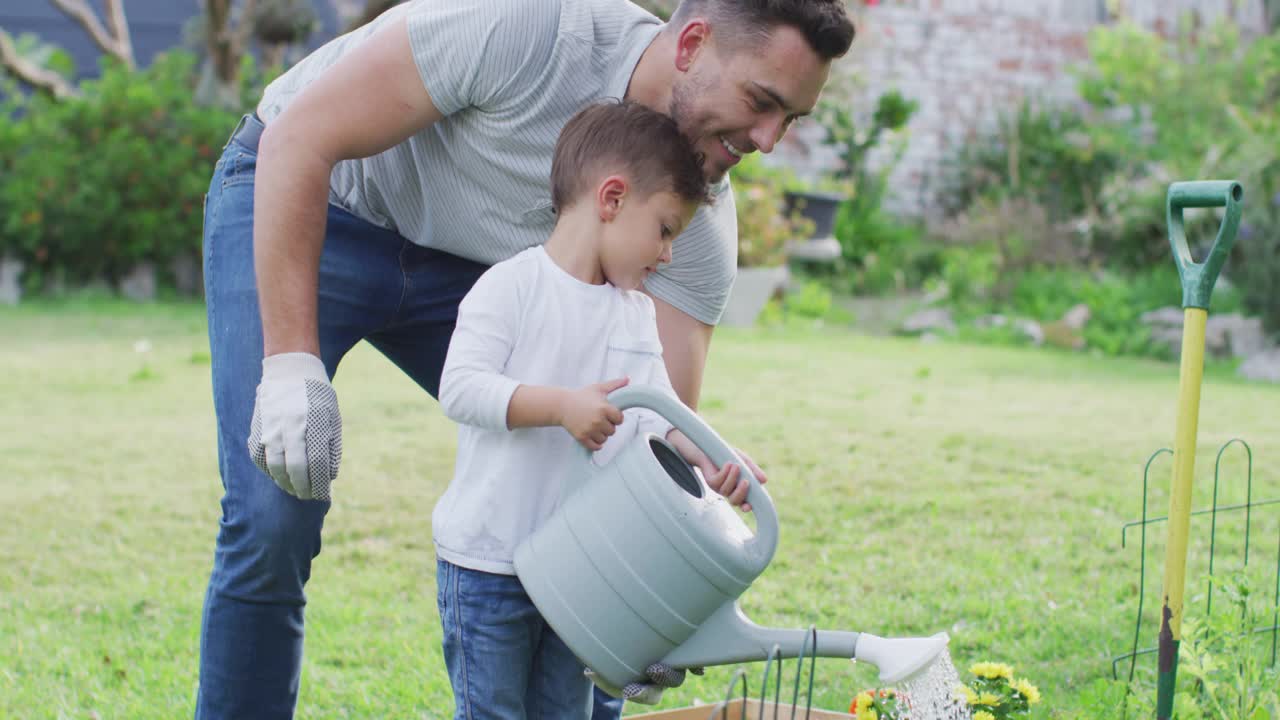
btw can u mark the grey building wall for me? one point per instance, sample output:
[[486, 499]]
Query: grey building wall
[[964, 61]]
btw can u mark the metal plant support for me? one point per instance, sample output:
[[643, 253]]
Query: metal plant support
[[720, 710], [1248, 507]]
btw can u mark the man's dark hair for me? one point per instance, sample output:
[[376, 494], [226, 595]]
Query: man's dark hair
[[628, 138], [825, 24]]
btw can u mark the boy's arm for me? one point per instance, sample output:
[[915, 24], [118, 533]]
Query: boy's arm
[[536, 406], [473, 389]]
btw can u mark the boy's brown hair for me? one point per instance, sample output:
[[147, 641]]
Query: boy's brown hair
[[627, 138]]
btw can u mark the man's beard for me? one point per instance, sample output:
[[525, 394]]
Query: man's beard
[[696, 129]]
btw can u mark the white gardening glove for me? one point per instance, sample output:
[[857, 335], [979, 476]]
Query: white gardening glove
[[296, 432], [660, 677]]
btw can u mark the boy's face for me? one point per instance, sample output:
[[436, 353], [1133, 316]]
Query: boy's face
[[638, 235], [733, 102]]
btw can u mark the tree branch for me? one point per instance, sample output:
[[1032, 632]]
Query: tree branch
[[226, 43], [119, 47], [240, 38], [31, 73], [120, 29]]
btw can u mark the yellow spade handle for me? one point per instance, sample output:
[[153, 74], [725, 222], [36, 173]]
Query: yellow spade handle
[[1184, 461]]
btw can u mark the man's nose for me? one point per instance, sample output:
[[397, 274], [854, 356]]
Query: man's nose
[[765, 134]]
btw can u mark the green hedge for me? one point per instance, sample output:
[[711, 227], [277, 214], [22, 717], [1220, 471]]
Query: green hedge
[[94, 185]]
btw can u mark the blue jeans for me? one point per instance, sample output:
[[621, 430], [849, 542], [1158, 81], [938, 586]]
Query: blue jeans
[[374, 286], [505, 662], [606, 706]]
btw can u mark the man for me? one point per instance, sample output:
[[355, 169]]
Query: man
[[388, 170]]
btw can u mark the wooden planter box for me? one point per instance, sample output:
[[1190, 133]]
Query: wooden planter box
[[733, 711]]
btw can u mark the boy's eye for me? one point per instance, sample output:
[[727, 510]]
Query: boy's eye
[[760, 104], [666, 231]]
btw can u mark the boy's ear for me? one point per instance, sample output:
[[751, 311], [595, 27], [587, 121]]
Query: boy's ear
[[610, 196]]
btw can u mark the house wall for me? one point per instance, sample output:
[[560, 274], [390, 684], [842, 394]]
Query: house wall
[[965, 61], [154, 26]]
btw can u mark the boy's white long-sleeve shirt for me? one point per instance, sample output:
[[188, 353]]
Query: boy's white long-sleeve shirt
[[527, 321]]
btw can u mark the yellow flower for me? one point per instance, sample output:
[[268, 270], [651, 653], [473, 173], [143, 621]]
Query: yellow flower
[[983, 715], [864, 703], [1028, 690], [871, 715], [969, 696], [987, 698], [992, 670]]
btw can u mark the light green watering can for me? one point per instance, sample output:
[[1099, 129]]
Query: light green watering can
[[643, 562]]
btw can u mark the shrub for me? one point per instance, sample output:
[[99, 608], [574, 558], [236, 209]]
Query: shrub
[[763, 229], [91, 186], [1039, 154], [1116, 302], [1224, 664], [1200, 105], [1012, 235]]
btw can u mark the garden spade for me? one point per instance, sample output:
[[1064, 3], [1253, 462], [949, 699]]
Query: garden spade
[[1197, 280]]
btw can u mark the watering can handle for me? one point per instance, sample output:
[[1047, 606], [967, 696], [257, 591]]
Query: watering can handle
[[1198, 278], [762, 546]]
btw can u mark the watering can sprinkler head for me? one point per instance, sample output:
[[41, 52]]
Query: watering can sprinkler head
[[899, 659]]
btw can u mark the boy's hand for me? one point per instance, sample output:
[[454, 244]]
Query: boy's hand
[[724, 480], [588, 416]]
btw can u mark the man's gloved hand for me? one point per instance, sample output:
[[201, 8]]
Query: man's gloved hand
[[660, 677], [296, 433]]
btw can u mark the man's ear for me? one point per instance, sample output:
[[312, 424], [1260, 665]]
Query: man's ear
[[691, 41], [610, 196]]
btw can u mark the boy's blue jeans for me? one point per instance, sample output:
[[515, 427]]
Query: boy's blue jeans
[[375, 286], [505, 662]]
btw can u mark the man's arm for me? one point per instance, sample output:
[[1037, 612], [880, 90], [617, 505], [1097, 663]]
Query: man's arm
[[685, 343], [370, 100]]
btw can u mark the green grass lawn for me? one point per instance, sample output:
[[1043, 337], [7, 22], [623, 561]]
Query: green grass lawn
[[921, 487]]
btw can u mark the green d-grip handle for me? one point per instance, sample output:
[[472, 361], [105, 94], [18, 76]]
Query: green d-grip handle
[[1198, 278]]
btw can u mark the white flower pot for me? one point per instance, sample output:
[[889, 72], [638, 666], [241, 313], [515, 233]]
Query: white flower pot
[[10, 280], [140, 284], [751, 291]]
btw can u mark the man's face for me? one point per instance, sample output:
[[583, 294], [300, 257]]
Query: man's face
[[735, 101]]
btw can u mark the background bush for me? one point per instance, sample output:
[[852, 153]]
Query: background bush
[[92, 186], [1068, 203], [1201, 105]]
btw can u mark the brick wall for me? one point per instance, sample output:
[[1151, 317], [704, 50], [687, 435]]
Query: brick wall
[[964, 61]]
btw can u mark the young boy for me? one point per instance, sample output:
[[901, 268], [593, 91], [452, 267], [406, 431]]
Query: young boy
[[541, 340]]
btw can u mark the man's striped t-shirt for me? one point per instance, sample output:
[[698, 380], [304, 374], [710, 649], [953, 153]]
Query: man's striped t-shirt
[[507, 75]]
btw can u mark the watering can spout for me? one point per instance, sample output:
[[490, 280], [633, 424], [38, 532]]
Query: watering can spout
[[728, 636], [899, 659]]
